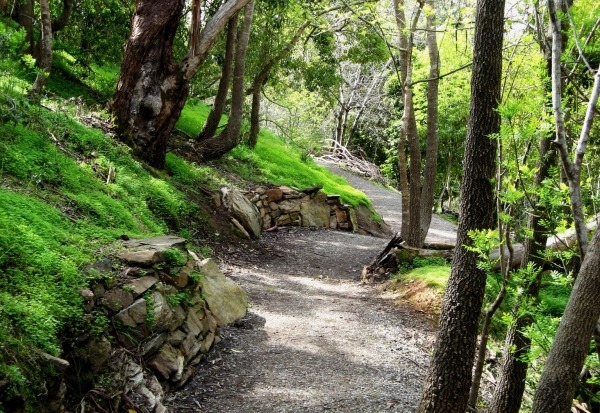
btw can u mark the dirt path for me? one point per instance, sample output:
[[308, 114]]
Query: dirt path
[[315, 340]]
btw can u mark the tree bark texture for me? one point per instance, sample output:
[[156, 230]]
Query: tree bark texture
[[214, 117], [219, 145], [45, 59], [556, 388], [402, 164], [432, 129], [260, 80], [152, 88], [447, 385], [409, 126]]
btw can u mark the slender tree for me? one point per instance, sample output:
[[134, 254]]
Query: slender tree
[[261, 78], [556, 388], [214, 117], [448, 381], [229, 137], [432, 127], [402, 165]]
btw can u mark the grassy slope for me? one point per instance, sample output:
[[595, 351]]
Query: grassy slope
[[274, 161], [57, 213]]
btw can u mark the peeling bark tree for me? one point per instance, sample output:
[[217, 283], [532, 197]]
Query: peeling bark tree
[[446, 388], [152, 87], [214, 117], [217, 146]]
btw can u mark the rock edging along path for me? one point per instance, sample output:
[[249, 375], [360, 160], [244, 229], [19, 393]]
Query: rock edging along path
[[315, 340]]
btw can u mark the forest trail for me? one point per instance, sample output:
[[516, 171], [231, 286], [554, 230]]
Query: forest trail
[[315, 340]]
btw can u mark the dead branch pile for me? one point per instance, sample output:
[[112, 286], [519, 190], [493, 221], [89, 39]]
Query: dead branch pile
[[340, 155]]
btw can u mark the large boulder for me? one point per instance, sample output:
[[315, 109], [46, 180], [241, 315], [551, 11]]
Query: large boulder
[[315, 213], [242, 209], [227, 300], [367, 225]]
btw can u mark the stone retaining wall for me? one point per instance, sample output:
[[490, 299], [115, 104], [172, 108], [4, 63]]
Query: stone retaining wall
[[152, 319]]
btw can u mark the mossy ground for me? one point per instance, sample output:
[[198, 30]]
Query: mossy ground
[[59, 211]]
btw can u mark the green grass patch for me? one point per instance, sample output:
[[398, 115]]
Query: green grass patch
[[435, 276], [273, 161]]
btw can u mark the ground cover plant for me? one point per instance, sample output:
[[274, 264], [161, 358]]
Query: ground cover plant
[[69, 192], [273, 161]]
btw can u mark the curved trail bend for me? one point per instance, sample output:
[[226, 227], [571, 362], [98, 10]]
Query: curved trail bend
[[315, 340]]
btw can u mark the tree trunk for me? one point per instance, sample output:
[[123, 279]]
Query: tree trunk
[[556, 388], [45, 59], [409, 124], [446, 187], [511, 381], [26, 21], [513, 371], [402, 166], [446, 388], [63, 18], [152, 89], [260, 80], [217, 146], [214, 117], [432, 129]]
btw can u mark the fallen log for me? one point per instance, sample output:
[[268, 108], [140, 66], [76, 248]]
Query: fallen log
[[559, 242], [396, 252]]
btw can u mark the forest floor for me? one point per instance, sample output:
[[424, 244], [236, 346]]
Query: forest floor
[[315, 339]]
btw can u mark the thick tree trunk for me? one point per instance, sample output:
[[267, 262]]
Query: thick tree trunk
[[556, 388], [214, 117], [45, 59], [446, 388], [152, 89], [432, 129], [260, 80], [402, 165], [217, 146]]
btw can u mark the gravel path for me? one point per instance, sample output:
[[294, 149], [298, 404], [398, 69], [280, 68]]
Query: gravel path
[[314, 340], [388, 204]]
